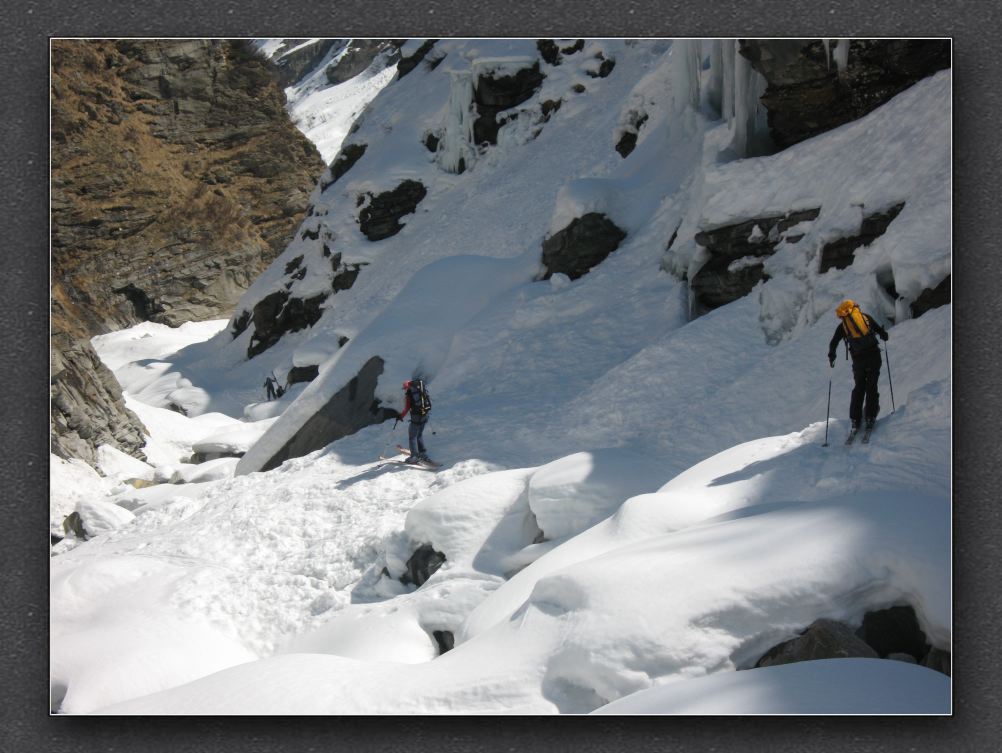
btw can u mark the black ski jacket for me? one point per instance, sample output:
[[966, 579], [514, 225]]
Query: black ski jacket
[[861, 348]]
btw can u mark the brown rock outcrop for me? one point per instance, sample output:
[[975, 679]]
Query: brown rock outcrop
[[177, 176]]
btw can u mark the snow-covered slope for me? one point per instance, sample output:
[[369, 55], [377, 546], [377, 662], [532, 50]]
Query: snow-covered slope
[[323, 111], [631, 498]]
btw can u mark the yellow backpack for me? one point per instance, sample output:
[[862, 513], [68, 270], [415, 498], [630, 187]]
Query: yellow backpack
[[853, 321]]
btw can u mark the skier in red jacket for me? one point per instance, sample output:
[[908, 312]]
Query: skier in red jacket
[[418, 404]]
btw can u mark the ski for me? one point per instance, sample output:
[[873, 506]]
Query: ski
[[432, 463], [866, 435], [418, 466], [852, 436]]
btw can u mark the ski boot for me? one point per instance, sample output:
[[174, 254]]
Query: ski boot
[[853, 430]]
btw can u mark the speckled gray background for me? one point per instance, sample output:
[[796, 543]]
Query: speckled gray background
[[26, 27]]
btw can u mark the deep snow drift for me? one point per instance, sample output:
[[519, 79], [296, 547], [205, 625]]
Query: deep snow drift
[[633, 505]]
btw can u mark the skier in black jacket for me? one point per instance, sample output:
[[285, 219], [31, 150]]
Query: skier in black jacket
[[860, 332]]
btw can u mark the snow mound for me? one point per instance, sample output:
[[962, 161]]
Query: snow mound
[[478, 523], [828, 686], [573, 493]]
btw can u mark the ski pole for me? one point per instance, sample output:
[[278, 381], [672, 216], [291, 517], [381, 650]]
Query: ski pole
[[389, 437], [828, 410], [889, 380]]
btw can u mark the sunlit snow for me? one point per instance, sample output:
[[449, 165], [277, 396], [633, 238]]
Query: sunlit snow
[[634, 504]]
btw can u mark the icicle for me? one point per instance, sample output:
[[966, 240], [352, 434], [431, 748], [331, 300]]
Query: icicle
[[842, 56], [456, 149], [685, 74], [715, 84], [728, 52], [828, 53], [749, 124]]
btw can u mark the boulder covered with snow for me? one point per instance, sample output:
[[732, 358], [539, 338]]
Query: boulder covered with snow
[[476, 524], [351, 408], [574, 493], [840, 252], [71, 482], [585, 242], [381, 213], [210, 470], [738, 251], [823, 639], [99, 516], [500, 84]]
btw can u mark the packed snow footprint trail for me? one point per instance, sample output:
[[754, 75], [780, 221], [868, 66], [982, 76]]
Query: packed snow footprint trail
[[725, 567], [251, 562]]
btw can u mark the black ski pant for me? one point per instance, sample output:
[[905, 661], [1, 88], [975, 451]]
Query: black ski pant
[[865, 371], [414, 432]]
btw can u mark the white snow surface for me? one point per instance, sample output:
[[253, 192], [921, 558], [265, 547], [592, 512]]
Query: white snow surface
[[633, 503], [827, 686]]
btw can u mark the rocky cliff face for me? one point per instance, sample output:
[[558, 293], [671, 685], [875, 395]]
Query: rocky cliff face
[[177, 177], [297, 57], [810, 93]]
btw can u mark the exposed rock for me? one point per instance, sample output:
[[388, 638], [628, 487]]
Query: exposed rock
[[806, 94], [140, 483], [939, 660], [431, 142], [585, 242], [548, 51], [406, 65], [345, 276], [628, 141], [931, 298], [576, 47], [549, 107], [823, 639], [894, 630], [445, 640], [840, 253], [422, 564], [737, 254], [177, 176], [494, 94], [73, 523], [145, 308], [299, 374], [281, 312], [380, 218], [277, 314], [551, 53], [345, 160], [353, 407], [604, 68], [295, 58], [87, 409], [358, 56]]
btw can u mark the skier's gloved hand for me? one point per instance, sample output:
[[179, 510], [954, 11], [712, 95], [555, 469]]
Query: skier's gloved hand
[[831, 360], [883, 336]]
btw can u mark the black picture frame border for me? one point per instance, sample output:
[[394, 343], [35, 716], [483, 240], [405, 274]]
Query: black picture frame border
[[26, 30]]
